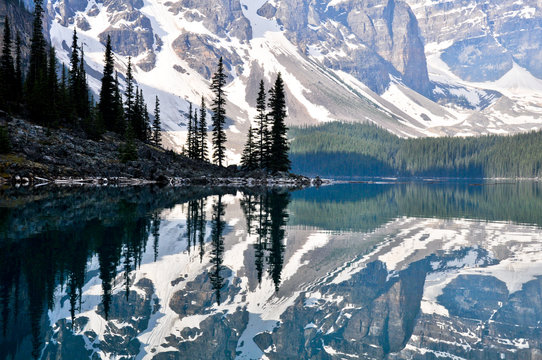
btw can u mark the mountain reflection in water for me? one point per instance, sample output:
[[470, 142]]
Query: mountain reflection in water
[[396, 271]]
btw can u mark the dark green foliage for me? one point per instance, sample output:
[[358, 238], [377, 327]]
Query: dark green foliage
[[5, 145], [156, 140], [93, 124], [262, 139], [119, 108], [36, 80], [128, 151], [219, 114], [190, 135], [18, 84], [107, 105], [77, 82], [202, 132], [249, 159], [7, 71], [278, 160], [339, 149], [195, 136], [53, 93], [129, 94]]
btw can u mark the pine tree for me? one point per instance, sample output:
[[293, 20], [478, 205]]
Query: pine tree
[[7, 72], [129, 93], [195, 137], [64, 104], [279, 160], [82, 92], [219, 114], [148, 127], [73, 74], [119, 107], [202, 132], [262, 132], [189, 140], [36, 81], [52, 87], [156, 124], [107, 93], [128, 151], [249, 160], [18, 86]]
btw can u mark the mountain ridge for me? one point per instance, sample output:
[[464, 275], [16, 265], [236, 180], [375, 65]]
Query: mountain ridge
[[380, 61]]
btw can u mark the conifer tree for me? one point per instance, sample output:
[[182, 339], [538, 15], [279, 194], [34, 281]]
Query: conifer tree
[[119, 107], [195, 137], [202, 131], [7, 72], [64, 107], [148, 127], [262, 132], [129, 93], [107, 93], [18, 86], [52, 87], [156, 124], [189, 140], [36, 81], [219, 114], [279, 160], [74, 72], [249, 160], [82, 93]]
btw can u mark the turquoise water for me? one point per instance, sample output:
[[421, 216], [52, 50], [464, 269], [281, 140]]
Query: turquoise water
[[384, 271]]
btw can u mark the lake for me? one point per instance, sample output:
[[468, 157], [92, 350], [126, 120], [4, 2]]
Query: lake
[[420, 270]]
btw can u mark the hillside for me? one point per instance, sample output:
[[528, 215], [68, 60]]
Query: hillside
[[336, 149]]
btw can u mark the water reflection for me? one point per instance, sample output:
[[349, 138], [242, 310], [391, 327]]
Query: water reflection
[[348, 269]]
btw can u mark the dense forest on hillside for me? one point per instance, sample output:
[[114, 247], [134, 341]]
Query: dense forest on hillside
[[341, 149]]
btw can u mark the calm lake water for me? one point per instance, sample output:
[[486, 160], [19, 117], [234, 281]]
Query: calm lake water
[[348, 271]]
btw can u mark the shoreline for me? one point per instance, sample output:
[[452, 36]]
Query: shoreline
[[292, 181]]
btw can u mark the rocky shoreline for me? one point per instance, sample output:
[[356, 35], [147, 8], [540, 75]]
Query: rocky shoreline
[[41, 156]]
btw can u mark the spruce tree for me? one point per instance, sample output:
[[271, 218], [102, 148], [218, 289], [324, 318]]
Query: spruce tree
[[119, 107], [7, 72], [148, 127], [195, 137], [249, 160], [82, 92], [73, 73], [64, 105], [189, 140], [18, 86], [107, 105], [279, 160], [202, 131], [156, 124], [52, 94], [262, 132], [219, 114], [36, 81], [129, 93]]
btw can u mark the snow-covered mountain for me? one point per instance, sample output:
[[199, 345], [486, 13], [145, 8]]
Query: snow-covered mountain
[[416, 67]]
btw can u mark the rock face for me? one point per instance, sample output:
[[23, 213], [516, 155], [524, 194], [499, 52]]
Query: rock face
[[369, 39], [486, 36]]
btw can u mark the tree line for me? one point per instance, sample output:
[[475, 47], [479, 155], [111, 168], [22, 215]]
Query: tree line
[[345, 149]]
